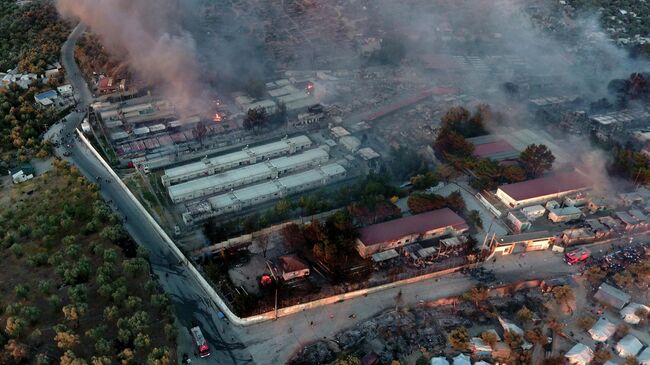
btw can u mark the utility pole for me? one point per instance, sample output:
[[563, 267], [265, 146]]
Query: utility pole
[[276, 303]]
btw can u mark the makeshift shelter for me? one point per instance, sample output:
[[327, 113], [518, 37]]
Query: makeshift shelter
[[479, 347], [602, 330], [439, 361], [511, 327], [628, 346], [579, 354], [629, 313], [612, 296], [462, 359], [644, 356]]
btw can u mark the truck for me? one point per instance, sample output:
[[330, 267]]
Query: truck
[[577, 256], [199, 341]]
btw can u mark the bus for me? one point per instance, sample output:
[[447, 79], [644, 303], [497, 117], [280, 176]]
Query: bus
[[576, 256], [199, 342]]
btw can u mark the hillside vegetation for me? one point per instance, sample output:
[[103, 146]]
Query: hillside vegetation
[[31, 36], [74, 289]]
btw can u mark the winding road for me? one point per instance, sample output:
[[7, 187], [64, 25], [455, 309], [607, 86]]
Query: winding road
[[191, 303]]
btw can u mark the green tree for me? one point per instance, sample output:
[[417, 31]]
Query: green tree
[[564, 295], [66, 339], [135, 266], [103, 346], [14, 326], [69, 358], [536, 159], [159, 356], [476, 295], [585, 323], [475, 218], [595, 275], [524, 314], [459, 339], [16, 351], [489, 338], [601, 356], [348, 360]]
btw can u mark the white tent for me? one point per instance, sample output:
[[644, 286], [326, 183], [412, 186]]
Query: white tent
[[482, 363], [509, 326], [439, 361], [644, 357], [602, 330], [628, 346], [629, 312], [478, 346], [579, 355], [462, 359]]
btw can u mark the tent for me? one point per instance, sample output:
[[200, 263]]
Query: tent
[[509, 326], [612, 296], [462, 359], [439, 361], [579, 355], [629, 313], [479, 347], [602, 330], [644, 357], [482, 363], [628, 346]]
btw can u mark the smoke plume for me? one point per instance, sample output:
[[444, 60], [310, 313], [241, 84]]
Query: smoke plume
[[149, 37]]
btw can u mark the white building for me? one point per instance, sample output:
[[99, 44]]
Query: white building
[[235, 178], [533, 212], [237, 200], [602, 330], [247, 156], [541, 190], [579, 354], [65, 90], [565, 214], [628, 346]]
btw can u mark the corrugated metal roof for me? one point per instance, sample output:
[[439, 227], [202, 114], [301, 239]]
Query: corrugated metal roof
[[548, 185], [414, 224]]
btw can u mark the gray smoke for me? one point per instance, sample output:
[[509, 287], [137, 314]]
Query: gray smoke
[[147, 35]]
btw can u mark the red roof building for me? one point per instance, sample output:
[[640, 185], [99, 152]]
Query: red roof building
[[388, 235], [106, 85], [495, 149], [542, 189], [290, 267]]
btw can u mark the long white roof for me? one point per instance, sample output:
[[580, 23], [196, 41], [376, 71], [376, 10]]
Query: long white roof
[[272, 187], [229, 158], [251, 173]]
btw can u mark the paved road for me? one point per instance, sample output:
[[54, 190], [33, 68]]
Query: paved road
[[270, 342], [191, 302], [274, 342]]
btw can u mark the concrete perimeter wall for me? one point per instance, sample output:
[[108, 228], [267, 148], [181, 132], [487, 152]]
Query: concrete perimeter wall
[[219, 302]]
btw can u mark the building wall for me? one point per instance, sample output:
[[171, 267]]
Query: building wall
[[367, 251], [295, 274], [267, 173], [563, 218], [513, 203], [292, 147]]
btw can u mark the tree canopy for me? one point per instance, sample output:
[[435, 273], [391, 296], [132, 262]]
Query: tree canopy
[[536, 159]]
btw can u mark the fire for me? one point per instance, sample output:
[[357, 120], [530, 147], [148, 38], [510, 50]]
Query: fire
[[217, 118]]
